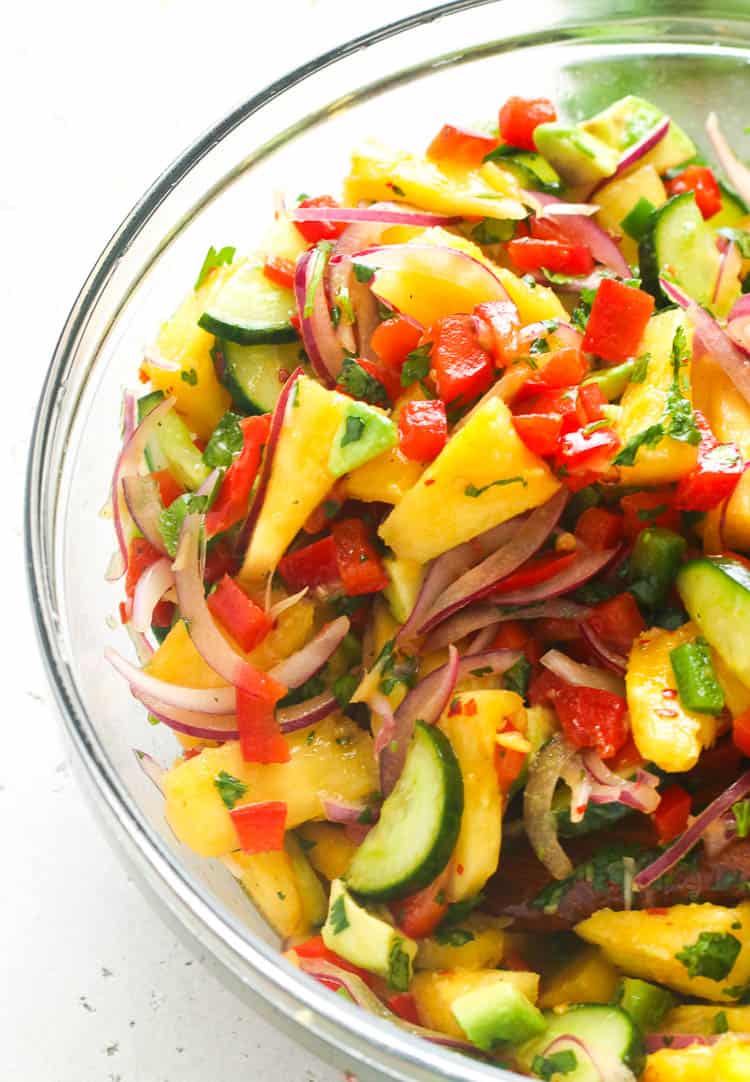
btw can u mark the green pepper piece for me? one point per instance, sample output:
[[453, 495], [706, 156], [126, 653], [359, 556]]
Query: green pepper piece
[[612, 381], [654, 563], [645, 1003], [635, 221], [697, 685]]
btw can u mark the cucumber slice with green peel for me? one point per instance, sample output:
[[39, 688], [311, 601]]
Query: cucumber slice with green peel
[[603, 1039], [250, 310], [531, 169], [733, 209], [255, 375], [716, 593], [646, 1003], [172, 447], [678, 242], [419, 823]]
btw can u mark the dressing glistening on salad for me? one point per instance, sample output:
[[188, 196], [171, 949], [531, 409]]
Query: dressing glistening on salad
[[433, 518]]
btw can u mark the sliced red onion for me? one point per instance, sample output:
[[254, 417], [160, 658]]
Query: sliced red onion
[[153, 357], [292, 718], [150, 589], [712, 340], [425, 702], [381, 214], [319, 336], [587, 676], [578, 229], [578, 781], [144, 504], [584, 567], [477, 582], [128, 464], [608, 657], [656, 1041], [545, 769], [738, 174], [206, 637], [482, 640], [144, 651], [275, 611], [346, 811], [719, 834], [638, 150], [568, 335], [485, 615], [738, 323], [295, 670], [640, 794], [153, 770], [687, 841], [203, 700], [676, 294], [730, 265], [381, 706], [557, 210], [128, 415], [277, 422], [609, 1068], [192, 722]]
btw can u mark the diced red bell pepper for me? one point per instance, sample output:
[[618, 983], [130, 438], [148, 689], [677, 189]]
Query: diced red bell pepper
[[460, 146], [537, 569], [462, 368], [617, 321], [627, 758], [599, 529], [386, 376], [394, 339], [520, 117], [652, 507], [589, 403], [700, 180], [499, 324], [555, 629], [540, 432], [671, 816], [405, 1006], [220, 560], [741, 732], [360, 567], [618, 622], [261, 739], [422, 430], [544, 229], [563, 404], [317, 231], [714, 477], [560, 257], [316, 950], [589, 451], [419, 914], [313, 565], [163, 614], [232, 503], [592, 718], [543, 688], [141, 555], [260, 827], [508, 765], [245, 621], [169, 489], [279, 271], [512, 635], [563, 368]]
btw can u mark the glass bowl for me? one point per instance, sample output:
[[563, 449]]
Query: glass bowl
[[457, 63]]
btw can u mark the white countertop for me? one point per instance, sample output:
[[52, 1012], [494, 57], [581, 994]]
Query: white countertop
[[98, 98]]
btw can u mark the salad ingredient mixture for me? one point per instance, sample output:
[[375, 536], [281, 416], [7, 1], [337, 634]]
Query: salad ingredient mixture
[[433, 521]]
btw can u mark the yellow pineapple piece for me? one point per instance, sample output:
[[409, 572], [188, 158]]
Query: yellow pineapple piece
[[617, 198], [435, 992]]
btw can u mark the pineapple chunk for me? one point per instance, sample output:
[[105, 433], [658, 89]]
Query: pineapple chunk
[[617, 198], [328, 848], [471, 723], [283, 240], [726, 1061], [697, 1018], [647, 943], [378, 172], [333, 760], [587, 978], [269, 881], [200, 398], [644, 404], [665, 733], [300, 476], [441, 510], [435, 992], [534, 302], [483, 951], [384, 479]]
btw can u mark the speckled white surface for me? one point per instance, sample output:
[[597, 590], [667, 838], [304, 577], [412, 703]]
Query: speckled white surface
[[97, 98]]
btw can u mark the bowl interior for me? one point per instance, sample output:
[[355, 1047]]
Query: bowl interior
[[457, 68]]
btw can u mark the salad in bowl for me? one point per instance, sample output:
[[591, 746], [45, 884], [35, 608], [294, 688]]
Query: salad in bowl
[[431, 517]]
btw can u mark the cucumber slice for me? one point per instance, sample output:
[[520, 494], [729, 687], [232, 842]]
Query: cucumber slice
[[419, 823], [531, 169], [255, 375], [609, 1034], [172, 448], [733, 209], [716, 594], [250, 310], [677, 240]]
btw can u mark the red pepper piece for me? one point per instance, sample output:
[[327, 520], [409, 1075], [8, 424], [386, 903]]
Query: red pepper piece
[[592, 718], [540, 432], [140, 556], [233, 501], [741, 732], [618, 622], [499, 324], [519, 118], [316, 231], [245, 621], [169, 489], [279, 271], [360, 567], [405, 1006], [588, 451], [316, 950], [423, 430], [700, 180], [260, 827], [460, 146], [313, 565], [671, 817], [599, 529], [649, 508], [560, 257], [393, 339], [261, 739], [462, 368], [617, 321], [536, 570], [715, 476]]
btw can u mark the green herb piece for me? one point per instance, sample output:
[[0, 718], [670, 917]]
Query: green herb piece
[[518, 676], [226, 441], [395, 672], [399, 967], [360, 384], [314, 686], [721, 1022], [417, 365], [213, 259], [353, 430], [306, 844], [558, 279], [486, 670], [172, 518], [493, 231], [636, 220], [344, 688], [640, 368], [230, 789], [337, 917], [280, 895], [654, 563], [529, 280], [562, 1062], [539, 345], [697, 685], [319, 259], [363, 273], [647, 438], [712, 955], [679, 409], [580, 315], [648, 514], [454, 937], [396, 190], [344, 305], [474, 492], [457, 912], [189, 376], [741, 813]]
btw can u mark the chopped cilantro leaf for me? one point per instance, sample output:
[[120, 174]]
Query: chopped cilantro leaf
[[518, 676], [721, 1022], [473, 491], [539, 345], [558, 279], [453, 937], [317, 265], [344, 305], [741, 238], [353, 430], [213, 259], [306, 844], [459, 911], [363, 273], [360, 384], [562, 1062], [399, 967], [741, 812], [647, 438], [417, 365], [226, 441], [640, 368], [190, 376], [230, 789], [712, 955], [396, 190], [679, 409], [172, 517], [344, 687], [337, 916], [580, 315]]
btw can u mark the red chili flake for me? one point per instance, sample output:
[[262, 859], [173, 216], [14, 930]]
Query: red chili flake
[[460, 869], [658, 912], [429, 481], [284, 374], [470, 708], [123, 612], [190, 753], [581, 809], [143, 375], [666, 713], [295, 321], [454, 708], [669, 693]]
